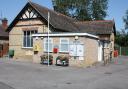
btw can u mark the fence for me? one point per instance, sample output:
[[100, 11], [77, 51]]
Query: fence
[[122, 50]]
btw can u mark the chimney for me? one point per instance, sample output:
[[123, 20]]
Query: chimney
[[4, 23]]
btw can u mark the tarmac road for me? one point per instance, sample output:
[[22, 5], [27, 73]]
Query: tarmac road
[[22, 75]]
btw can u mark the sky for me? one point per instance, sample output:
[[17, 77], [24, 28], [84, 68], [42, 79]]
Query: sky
[[116, 9]]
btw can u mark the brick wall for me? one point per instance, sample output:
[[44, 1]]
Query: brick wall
[[90, 51], [16, 38]]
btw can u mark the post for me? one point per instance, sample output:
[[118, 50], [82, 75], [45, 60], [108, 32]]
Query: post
[[120, 51], [103, 53], [48, 38]]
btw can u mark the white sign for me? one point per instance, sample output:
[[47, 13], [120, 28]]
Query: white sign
[[76, 50], [72, 50], [80, 50]]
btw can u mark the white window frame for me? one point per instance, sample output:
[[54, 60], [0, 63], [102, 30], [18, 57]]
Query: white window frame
[[60, 50], [45, 50], [25, 35]]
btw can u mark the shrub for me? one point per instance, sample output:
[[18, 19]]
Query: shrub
[[63, 59], [44, 58]]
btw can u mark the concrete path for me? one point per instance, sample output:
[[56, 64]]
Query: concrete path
[[22, 75]]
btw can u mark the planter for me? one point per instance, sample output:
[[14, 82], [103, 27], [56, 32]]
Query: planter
[[44, 59], [62, 60]]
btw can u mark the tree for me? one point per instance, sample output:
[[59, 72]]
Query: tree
[[82, 9], [125, 19], [122, 36], [99, 8]]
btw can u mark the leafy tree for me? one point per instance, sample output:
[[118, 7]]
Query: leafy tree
[[122, 36], [99, 8], [82, 9], [125, 19]]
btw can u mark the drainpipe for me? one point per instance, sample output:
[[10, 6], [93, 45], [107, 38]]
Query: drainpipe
[[103, 52], [48, 36]]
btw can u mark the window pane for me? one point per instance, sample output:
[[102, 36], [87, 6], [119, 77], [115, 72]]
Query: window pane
[[24, 41], [28, 41], [31, 42], [24, 33], [64, 47], [50, 47], [28, 33], [32, 32], [35, 31], [64, 41], [46, 45]]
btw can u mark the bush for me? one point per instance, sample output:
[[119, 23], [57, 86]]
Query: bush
[[63, 59], [44, 59]]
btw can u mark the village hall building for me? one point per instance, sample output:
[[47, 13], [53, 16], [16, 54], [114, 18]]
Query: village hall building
[[82, 41]]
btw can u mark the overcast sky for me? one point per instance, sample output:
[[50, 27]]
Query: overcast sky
[[116, 10]]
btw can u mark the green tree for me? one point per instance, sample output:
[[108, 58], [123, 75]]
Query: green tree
[[125, 19], [82, 9], [99, 8], [122, 36]]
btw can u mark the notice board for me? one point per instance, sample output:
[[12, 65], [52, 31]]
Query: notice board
[[76, 50]]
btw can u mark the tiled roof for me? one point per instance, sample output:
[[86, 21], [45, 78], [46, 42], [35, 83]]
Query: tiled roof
[[58, 20], [67, 24], [96, 27]]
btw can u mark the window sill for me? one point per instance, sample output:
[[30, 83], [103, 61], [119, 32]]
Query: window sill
[[57, 52], [63, 52], [47, 52], [27, 47]]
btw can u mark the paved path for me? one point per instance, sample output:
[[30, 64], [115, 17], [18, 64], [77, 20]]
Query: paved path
[[21, 75]]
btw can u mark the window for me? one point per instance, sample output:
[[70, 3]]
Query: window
[[46, 45], [27, 40], [64, 45]]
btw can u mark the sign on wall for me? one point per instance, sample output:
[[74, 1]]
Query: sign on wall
[[76, 50]]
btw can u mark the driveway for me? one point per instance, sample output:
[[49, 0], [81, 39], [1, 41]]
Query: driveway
[[21, 75]]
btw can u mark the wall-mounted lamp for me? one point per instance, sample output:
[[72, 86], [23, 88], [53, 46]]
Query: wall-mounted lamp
[[76, 37], [36, 38], [42, 37]]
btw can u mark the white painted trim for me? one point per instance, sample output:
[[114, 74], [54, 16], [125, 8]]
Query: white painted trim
[[100, 52], [27, 47], [30, 36], [66, 34]]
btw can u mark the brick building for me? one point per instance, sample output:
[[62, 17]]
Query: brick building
[[33, 19]]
